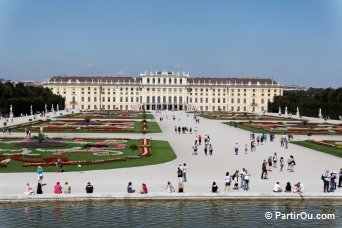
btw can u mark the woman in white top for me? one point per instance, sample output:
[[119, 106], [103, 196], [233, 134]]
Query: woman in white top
[[228, 181]]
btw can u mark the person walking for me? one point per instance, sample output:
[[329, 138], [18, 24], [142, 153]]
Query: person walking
[[275, 160], [184, 172], [206, 149], [246, 148], [292, 163], [264, 170], [340, 179], [281, 161], [210, 149], [269, 163], [194, 147], [228, 181], [236, 148], [59, 165], [180, 175]]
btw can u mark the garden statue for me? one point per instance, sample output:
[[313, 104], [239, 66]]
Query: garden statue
[[286, 111], [45, 108], [279, 111], [57, 108], [31, 111], [11, 112], [320, 113], [297, 112]]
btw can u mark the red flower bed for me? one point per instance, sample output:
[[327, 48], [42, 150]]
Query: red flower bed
[[84, 162]]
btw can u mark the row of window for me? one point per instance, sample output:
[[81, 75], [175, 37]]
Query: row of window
[[163, 81], [170, 89], [232, 108], [170, 99]]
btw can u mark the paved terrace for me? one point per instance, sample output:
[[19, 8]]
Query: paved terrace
[[202, 170]]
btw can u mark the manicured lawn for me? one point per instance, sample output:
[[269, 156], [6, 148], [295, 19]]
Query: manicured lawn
[[325, 149], [148, 116], [153, 127], [161, 152], [275, 131], [250, 129]]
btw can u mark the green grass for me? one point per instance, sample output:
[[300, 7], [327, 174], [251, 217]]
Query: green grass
[[321, 148], [161, 152], [257, 130], [153, 127], [148, 116]]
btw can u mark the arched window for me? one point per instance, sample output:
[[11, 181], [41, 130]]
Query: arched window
[[164, 99], [148, 99], [153, 99], [170, 99], [158, 80], [148, 80], [170, 80], [154, 81], [180, 81], [175, 81], [158, 99], [175, 99], [164, 80], [180, 100]]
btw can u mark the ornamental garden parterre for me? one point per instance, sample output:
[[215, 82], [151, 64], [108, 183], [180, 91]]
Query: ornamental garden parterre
[[24, 154]]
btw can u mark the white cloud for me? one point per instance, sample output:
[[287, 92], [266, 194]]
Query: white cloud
[[93, 66]]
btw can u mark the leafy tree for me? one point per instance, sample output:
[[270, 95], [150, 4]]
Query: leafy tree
[[309, 102], [21, 98]]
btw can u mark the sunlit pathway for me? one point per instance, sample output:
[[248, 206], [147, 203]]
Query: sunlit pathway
[[202, 170]]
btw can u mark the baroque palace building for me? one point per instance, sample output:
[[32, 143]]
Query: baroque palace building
[[165, 90]]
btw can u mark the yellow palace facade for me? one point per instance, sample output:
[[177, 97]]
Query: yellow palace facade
[[165, 91]]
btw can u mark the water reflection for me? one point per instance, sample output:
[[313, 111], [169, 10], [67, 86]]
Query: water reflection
[[177, 213]]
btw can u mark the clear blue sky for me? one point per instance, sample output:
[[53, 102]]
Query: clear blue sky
[[293, 41]]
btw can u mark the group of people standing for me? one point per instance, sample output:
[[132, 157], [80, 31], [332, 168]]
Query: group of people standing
[[331, 180]]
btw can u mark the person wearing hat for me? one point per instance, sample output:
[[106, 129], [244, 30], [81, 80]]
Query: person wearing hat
[[89, 188]]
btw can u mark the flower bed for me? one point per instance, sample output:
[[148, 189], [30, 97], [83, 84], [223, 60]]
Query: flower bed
[[82, 162], [292, 127], [32, 143], [80, 125], [243, 116]]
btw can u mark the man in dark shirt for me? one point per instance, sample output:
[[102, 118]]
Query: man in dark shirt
[[89, 188]]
